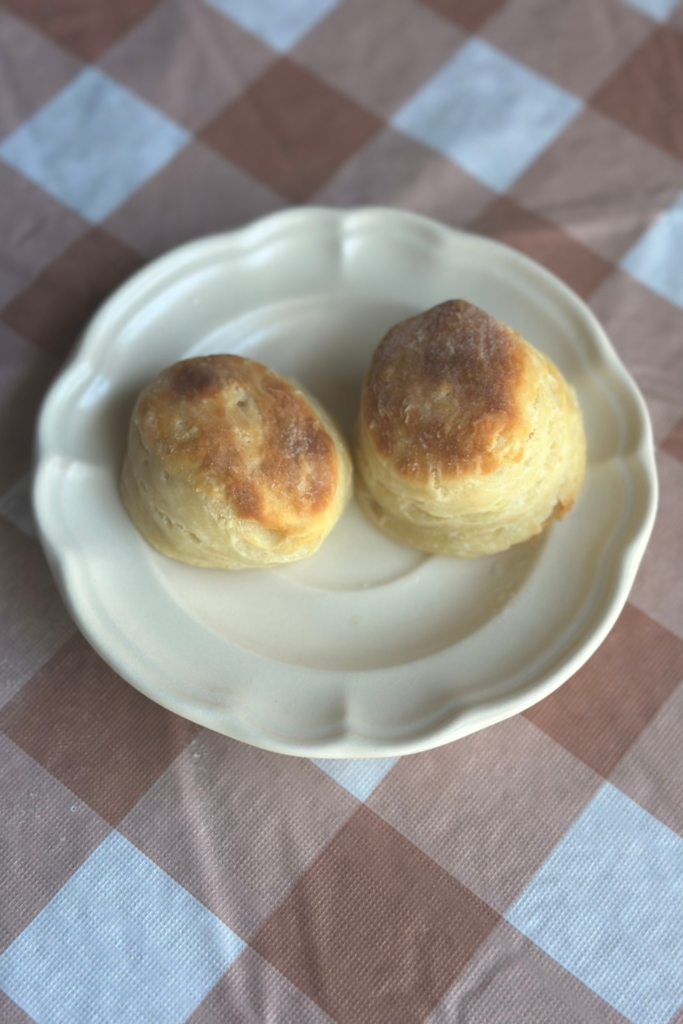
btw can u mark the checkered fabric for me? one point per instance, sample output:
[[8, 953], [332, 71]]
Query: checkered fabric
[[152, 872]]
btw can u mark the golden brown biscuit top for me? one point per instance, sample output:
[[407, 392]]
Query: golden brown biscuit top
[[448, 392], [244, 434]]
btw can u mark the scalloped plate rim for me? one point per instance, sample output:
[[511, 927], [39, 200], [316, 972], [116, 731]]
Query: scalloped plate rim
[[346, 742]]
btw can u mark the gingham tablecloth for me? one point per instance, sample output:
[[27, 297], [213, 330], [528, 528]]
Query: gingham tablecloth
[[152, 872]]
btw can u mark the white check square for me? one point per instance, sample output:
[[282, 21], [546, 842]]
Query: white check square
[[279, 25], [359, 776], [120, 943], [608, 906], [658, 10], [487, 112], [655, 259], [93, 144]]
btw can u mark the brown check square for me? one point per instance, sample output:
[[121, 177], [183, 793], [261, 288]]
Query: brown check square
[[601, 711], [47, 833], [55, 308], [36, 230], [33, 621], [291, 130], [471, 14], [646, 331], [646, 93], [252, 991], [93, 731], [658, 588], [236, 826], [581, 268], [188, 60], [664, 415], [510, 979], [198, 193], [10, 1013], [599, 166], [25, 373], [88, 27], [489, 808], [375, 931], [577, 44], [378, 53], [651, 773], [673, 443], [394, 170], [32, 70]]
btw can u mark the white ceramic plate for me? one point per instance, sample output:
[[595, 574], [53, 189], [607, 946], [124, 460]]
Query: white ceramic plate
[[369, 648]]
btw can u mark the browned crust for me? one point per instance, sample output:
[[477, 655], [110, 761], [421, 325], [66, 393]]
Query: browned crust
[[241, 432], [448, 391]]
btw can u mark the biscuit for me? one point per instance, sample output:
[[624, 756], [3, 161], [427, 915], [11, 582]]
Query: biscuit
[[470, 440], [230, 465]]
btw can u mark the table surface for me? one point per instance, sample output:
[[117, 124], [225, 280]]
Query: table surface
[[153, 872]]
